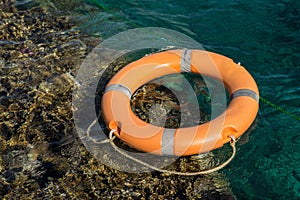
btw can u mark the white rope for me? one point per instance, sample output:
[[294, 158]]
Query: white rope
[[232, 144], [91, 138]]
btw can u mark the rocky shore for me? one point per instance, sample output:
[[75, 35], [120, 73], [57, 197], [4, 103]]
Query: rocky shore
[[41, 156]]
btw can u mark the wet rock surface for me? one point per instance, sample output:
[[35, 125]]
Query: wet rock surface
[[41, 156]]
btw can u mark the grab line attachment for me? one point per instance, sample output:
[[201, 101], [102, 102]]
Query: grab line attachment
[[232, 144]]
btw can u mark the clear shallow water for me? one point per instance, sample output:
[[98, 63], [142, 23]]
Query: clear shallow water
[[264, 37]]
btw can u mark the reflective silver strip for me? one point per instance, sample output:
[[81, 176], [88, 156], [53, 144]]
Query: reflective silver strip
[[167, 141], [245, 92], [120, 88], [185, 62]]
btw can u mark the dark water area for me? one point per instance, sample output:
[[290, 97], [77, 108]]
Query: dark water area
[[262, 34]]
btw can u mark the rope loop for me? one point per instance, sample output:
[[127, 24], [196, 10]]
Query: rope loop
[[90, 137], [232, 144]]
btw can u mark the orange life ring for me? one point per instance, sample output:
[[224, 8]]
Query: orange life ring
[[237, 118]]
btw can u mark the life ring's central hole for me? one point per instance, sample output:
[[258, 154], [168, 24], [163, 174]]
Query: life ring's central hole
[[176, 100]]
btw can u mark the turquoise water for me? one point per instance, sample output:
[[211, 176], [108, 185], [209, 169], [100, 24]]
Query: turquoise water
[[265, 37]]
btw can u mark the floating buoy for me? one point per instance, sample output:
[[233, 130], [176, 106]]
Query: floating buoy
[[232, 123]]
